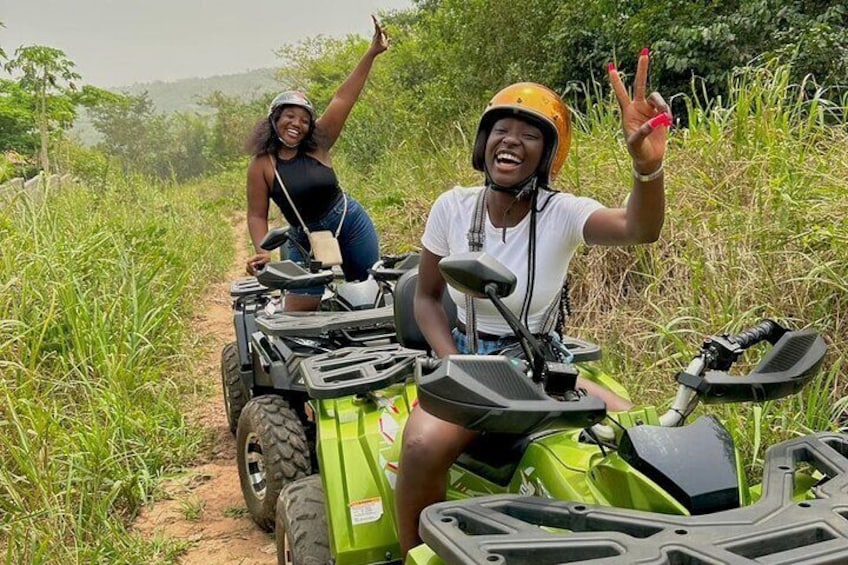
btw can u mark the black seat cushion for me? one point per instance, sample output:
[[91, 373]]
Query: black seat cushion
[[408, 333]]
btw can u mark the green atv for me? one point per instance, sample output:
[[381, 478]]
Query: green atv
[[553, 477]]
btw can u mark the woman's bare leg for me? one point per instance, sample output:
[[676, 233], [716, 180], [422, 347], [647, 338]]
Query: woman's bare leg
[[430, 446], [615, 403]]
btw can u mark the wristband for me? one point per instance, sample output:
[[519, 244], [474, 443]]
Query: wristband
[[650, 176]]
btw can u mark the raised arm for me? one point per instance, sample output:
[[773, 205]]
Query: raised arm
[[332, 121], [429, 312], [645, 121]]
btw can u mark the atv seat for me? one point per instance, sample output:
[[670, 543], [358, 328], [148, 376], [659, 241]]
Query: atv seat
[[408, 333], [495, 457]]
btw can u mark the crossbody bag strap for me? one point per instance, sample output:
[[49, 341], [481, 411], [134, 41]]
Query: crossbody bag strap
[[344, 215], [476, 239], [286, 192]]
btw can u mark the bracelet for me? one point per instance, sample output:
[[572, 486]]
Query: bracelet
[[650, 176]]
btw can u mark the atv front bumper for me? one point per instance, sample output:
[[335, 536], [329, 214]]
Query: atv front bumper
[[777, 529]]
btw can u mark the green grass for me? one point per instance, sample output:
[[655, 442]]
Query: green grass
[[236, 512], [192, 508], [98, 286]]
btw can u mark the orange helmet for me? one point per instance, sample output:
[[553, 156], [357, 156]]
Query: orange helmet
[[545, 108]]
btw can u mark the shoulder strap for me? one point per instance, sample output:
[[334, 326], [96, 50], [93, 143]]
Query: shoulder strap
[[476, 239], [476, 232]]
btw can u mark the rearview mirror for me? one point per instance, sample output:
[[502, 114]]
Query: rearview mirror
[[471, 272], [274, 239]]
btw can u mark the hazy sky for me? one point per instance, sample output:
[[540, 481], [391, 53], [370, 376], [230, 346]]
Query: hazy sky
[[121, 42]]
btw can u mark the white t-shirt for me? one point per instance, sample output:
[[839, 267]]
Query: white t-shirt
[[559, 231]]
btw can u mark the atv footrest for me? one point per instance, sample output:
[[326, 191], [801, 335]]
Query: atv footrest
[[508, 529], [356, 370], [315, 324]]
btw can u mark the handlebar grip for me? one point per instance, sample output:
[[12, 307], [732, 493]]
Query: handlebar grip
[[765, 330]]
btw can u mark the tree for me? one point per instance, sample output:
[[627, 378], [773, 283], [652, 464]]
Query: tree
[[234, 120], [2, 53], [47, 74], [16, 119]]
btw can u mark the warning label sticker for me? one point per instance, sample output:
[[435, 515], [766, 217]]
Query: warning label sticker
[[365, 511]]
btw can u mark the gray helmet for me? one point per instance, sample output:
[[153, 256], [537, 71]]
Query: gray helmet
[[292, 98]]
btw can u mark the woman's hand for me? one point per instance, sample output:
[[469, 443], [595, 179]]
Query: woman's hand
[[257, 262], [645, 120], [379, 42]]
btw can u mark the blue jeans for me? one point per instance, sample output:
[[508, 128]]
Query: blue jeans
[[484, 346], [509, 346], [357, 241]]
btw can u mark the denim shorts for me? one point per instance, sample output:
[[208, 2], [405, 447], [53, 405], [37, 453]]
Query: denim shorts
[[357, 240], [509, 346], [484, 346]]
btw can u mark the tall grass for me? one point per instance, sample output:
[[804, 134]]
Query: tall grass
[[97, 285], [756, 226]]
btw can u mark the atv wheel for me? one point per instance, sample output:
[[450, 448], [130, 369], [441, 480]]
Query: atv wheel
[[271, 452], [235, 396], [302, 535]]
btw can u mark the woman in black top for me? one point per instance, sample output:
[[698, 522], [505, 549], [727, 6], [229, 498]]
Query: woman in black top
[[297, 144]]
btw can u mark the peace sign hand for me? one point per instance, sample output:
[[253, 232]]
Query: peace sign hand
[[380, 41], [645, 120]]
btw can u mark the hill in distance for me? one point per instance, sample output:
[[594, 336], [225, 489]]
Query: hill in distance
[[184, 95]]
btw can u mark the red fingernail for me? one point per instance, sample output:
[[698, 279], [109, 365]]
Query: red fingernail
[[611, 66], [644, 52], [663, 119]]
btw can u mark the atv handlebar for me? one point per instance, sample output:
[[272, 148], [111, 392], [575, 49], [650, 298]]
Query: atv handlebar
[[288, 275], [765, 330], [391, 267], [793, 360]]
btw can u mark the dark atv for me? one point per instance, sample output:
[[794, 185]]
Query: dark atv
[[264, 395]]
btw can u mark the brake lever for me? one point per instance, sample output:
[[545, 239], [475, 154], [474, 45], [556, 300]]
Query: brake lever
[[720, 352]]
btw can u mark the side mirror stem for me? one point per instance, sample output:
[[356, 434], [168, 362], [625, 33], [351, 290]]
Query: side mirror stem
[[531, 346]]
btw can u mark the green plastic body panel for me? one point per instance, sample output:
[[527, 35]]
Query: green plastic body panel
[[359, 440], [358, 449], [422, 555]]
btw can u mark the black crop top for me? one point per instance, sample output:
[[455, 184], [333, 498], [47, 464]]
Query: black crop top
[[312, 186]]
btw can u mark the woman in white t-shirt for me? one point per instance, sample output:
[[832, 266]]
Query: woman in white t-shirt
[[522, 141]]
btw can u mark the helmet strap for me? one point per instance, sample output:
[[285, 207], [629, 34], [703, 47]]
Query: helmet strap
[[279, 137], [521, 190]]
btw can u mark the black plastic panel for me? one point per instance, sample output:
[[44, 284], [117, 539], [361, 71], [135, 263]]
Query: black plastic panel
[[247, 287], [511, 529], [288, 275], [398, 268], [314, 324], [582, 350], [356, 370], [491, 393], [696, 463]]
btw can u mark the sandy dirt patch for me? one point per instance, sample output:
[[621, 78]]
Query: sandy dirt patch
[[204, 506]]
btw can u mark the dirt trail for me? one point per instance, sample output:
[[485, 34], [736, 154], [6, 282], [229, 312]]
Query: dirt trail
[[205, 505]]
